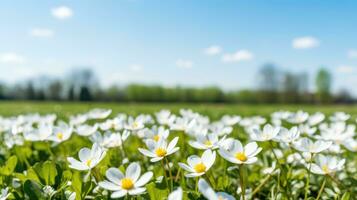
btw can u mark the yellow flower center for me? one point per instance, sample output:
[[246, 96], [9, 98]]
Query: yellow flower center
[[325, 169], [160, 152], [60, 136], [88, 162], [200, 167], [208, 143], [135, 125], [127, 183], [156, 138], [241, 156]]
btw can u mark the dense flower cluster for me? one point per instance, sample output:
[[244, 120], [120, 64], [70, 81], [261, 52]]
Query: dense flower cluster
[[288, 155]]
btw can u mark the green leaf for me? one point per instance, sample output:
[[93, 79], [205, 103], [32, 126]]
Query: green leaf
[[157, 191], [9, 167], [346, 196], [33, 190], [77, 185], [47, 172]]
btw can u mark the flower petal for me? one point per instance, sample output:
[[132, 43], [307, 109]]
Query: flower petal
[[114, 175], [145, 178], [133, 171]]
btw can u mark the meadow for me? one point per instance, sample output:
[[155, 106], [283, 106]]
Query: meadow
[[63, 109], [206, 151]]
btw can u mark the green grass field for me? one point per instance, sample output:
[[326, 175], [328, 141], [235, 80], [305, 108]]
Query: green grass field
[[65, 109], [47, 166]]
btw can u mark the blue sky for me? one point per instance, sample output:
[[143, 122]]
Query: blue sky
[[186, 42]]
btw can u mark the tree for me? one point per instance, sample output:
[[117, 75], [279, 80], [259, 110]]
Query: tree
[[268, 80], [323, 86], [71, 96], [30, 91], [85, 94], [55, 90], [2, 91]]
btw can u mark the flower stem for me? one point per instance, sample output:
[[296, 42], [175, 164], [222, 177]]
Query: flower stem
[[308, 177], [241, 180], [321, 189], [275, 156], [171, 178], [277, 160], [163, 168], [122, 149], [196, 188], [256, 190], [178, 174]]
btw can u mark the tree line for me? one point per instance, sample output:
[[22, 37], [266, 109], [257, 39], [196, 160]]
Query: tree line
[[273, 86]]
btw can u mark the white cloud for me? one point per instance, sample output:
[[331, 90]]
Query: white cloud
[[352, 53], [42, 32], [213, 50], [241, 55], [186, 64], [11, 58], [345, 69], [62, 12], [136, 68], [305, 42]]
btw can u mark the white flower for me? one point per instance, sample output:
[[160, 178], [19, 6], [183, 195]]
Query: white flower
[[305, 128], [158, 150], [206, 141], [164, 117], [88, 158], [298, 118], [197, 166], [109, 139], [288, 136], [77, 120], [48, 190], [235, 152], [269, 132], [176, 194], [4, 194], [180, 124], [271, 169], [70, 195], [99, 113], [60, 133], [11, 140], [40, 134], [350, 144], [220, 128], [230, 120], [252, 121], [154, 133], [326, 165], [316, 119], [337, 132], [134, 124], [131, 183], [339, 117], [307, 145], [210, 194], [86, 130], [115, 124]]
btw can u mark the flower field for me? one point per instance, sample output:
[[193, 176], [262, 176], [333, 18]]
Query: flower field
[[177, 152]]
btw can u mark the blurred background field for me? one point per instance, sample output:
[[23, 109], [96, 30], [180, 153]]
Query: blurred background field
[[65, 109]]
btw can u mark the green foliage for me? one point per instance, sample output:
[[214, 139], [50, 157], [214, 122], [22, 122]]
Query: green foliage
[[35, 168], [9, 167], [46, 172], [33, 190]]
